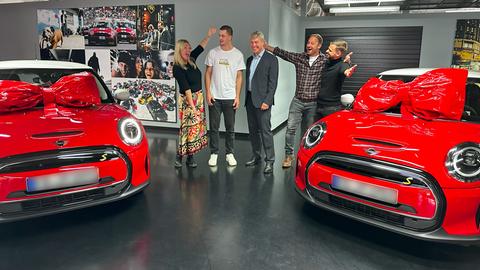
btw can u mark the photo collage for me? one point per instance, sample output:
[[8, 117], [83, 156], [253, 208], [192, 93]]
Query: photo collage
[[130, 47]]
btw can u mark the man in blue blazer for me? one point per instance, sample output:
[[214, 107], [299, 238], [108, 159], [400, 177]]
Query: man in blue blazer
[[262, 77]]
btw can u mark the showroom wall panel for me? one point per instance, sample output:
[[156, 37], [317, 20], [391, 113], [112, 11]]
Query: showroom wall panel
[[437, 36], [193, 17], [282, 33], [375, 49]]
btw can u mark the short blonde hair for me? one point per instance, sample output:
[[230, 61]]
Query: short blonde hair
[[257, 34], [318, 37], [177, 55], [341, 45]]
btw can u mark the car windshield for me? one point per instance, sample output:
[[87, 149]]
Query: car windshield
[[124, 25], [47, 77], [471, 110], [102, 25]]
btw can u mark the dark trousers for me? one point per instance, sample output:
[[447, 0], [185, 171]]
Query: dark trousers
[[325, 110], [260, 129], [220, 106]]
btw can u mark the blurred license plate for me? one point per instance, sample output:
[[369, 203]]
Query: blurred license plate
[[101, 37], [62, 180], [367, 190], [124, 36]]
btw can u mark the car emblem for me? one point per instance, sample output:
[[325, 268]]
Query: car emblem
[[407, 181], [60, 143], [371, 151]]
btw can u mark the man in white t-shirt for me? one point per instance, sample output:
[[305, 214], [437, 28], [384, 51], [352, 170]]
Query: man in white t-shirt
[[223, 83]]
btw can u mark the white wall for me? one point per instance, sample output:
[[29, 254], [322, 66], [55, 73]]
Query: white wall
[[438, 31], [283, 32], [193, 17]]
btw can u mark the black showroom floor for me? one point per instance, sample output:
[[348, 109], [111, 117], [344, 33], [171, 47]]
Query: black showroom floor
[[224, 219]]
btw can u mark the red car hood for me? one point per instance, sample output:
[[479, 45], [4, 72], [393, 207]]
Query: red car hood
[[413, 142], [30, 131]]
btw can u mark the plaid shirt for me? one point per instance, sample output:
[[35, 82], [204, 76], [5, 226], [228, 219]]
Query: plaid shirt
[[308, 77]]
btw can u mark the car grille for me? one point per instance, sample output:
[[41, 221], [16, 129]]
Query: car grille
[[381, 170], [59, 158], [40, 205]]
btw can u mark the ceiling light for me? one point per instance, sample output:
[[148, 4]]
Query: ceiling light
[[345, 2], [365, 9], [443, 10], [461, 10], [19, 1]]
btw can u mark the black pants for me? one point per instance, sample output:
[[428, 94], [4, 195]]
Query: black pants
[[260, 129], [325, 110], [220, 106]]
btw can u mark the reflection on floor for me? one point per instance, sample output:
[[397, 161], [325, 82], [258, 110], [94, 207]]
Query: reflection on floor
[[229, 218]]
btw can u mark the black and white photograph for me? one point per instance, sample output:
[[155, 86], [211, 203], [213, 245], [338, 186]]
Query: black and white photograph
[[151, 100]]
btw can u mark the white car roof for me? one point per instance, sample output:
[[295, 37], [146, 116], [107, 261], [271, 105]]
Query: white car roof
[[420, 71], [41, 64]]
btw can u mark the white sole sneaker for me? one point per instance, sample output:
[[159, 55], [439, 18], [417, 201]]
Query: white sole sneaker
[[231, 160], [212, 162]]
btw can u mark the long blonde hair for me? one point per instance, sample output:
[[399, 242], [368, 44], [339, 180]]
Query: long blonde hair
[[177, 56]]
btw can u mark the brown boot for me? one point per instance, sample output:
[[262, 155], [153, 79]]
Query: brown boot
[[287, 162]]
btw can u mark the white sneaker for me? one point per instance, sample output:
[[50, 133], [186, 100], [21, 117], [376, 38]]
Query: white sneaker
[[231, 160], [212, 162]]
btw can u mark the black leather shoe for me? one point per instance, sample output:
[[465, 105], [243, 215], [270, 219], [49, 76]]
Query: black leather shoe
[[268, 168], [252, 162], [191, 162]]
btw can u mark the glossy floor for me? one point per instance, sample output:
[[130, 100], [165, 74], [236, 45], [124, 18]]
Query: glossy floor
[[225, 219]]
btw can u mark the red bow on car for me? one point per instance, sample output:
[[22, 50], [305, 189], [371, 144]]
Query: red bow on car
[[439, 93], [76, 90]]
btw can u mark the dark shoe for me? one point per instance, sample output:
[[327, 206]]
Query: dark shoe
[[252, 162], [191, 162], [268, 168], [178, 162]]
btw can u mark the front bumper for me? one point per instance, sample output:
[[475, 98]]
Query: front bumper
[[438, 235], [457, 223], [120, 175], [19, 210]]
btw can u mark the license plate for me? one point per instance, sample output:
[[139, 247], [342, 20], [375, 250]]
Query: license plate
[[61, 180], [379, 193], [124, 36], [101, 37]]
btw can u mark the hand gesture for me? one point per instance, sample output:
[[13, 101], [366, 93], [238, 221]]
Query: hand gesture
[[348, 59], [211, 31], [349, 72]]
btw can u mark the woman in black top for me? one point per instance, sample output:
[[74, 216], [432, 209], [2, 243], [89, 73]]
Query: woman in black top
[[193, 128]]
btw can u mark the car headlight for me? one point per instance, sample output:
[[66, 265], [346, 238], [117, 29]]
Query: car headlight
[[130, 131], [314, 134], [463, 162]]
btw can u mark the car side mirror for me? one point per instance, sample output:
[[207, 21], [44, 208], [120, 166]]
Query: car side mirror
[[347, 100], [121, 94]]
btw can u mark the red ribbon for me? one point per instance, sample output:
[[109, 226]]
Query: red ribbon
[[77, 90], [437, 94]]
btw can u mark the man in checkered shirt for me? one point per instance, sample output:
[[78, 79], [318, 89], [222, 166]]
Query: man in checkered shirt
[[308, 67]]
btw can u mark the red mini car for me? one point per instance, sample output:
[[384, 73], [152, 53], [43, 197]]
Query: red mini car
[[126, 32], [102, 32], [405, 157], [65, 143]]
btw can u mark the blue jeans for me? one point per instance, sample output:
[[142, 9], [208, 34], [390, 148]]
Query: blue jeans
[[299, 113]]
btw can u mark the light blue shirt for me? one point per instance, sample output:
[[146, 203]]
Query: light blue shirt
[[253, 67]]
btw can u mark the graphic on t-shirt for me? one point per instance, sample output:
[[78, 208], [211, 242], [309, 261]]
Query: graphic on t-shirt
[[223, 62]]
